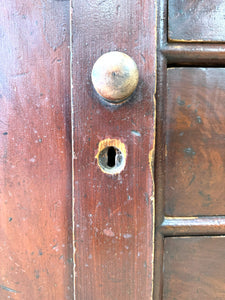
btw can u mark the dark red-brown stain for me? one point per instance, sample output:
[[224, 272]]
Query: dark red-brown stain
[[195, 132], [35, 157], [194, 268], [108, 227], [196, 20], [113, 223], [189, 162]]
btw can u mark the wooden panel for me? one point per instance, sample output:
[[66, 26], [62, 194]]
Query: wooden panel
[[196, 20], [195, 141], [113, 215], [194, 268], [35, 165]]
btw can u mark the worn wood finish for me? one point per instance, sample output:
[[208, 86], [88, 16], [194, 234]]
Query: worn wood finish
[[194, 268], [35, 166], [193, 226], [196, 20], [190, 217], [195, 141], [160, 148], [199, 55], [113, 215]]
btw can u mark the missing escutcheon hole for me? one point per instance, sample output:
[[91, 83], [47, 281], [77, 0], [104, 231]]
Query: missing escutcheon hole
[[110, 160], [111, 156]]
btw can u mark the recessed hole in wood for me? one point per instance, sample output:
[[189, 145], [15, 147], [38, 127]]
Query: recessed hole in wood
[[111, 156]]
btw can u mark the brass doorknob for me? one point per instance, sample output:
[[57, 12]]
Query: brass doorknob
[[115, 76]]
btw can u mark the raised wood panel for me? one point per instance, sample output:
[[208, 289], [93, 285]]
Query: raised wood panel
[[35, 156], [190, 168], [194, 268], [196, 20], [195, 142], [113, 215]]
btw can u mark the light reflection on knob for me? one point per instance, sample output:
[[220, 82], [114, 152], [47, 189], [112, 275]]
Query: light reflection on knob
[[115, 76]]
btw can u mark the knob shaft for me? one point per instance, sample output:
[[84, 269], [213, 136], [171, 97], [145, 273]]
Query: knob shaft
[[115, 76]]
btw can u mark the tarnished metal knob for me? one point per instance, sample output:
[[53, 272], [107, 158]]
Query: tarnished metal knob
[[115, 76]]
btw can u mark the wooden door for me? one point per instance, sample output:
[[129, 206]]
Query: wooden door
[[154, 230]]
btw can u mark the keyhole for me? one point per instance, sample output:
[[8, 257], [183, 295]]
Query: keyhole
[[111, 157]]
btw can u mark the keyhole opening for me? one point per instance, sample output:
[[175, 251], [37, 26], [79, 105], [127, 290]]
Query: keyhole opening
[[111, 157]]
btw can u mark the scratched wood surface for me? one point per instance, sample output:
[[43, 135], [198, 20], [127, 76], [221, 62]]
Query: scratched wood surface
[[196, 20], [195, 141], [194, 268], [35, 156], [113, 215]]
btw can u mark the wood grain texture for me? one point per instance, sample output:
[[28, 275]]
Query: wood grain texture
[[196, 20], [194, 268], [35, 165], [113, 215], [191, 113], [195, 141]]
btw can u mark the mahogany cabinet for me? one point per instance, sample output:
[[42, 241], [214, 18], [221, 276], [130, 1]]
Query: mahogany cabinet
[[153, 229]]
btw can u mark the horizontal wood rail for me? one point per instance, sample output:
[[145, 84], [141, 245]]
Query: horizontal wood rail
[[194, 54], [193, 226]]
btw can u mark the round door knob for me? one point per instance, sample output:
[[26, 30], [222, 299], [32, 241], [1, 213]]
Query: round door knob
[[115, 76]]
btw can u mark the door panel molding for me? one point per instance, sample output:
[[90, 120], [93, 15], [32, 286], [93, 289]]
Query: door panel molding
[[173, 54]]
